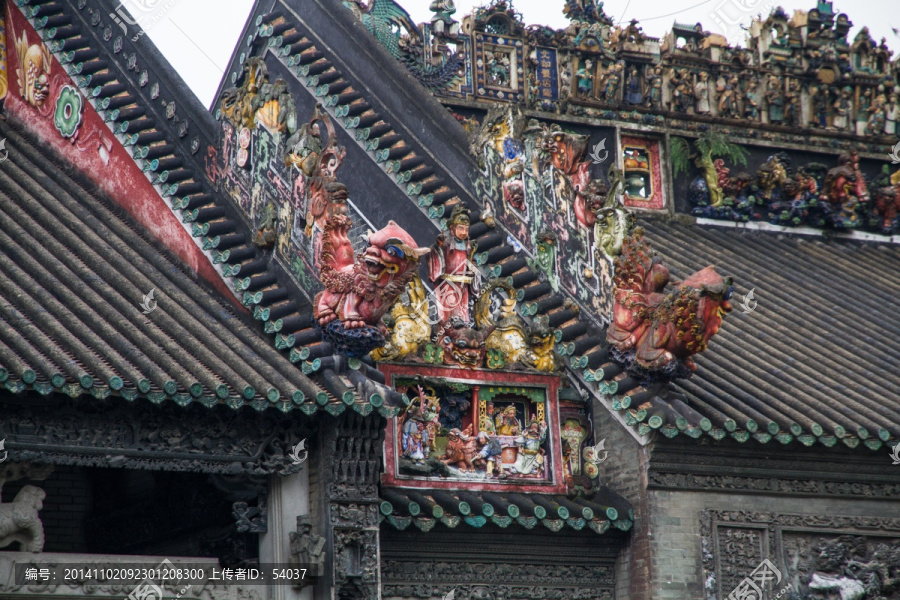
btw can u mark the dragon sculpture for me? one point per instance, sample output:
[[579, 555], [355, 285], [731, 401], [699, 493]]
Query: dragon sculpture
[[588, 11], [654, 333], [395, 30], [359, 292], [238, 102]]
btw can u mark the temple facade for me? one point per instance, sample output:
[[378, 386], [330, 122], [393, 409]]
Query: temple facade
[[467, 309]]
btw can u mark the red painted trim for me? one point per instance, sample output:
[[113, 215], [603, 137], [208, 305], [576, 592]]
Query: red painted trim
[[100, 156], [478, 377]]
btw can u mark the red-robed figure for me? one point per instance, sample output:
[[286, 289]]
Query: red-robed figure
[[449, 267]]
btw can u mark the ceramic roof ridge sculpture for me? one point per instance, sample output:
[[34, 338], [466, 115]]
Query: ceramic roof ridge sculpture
[[654, 333]]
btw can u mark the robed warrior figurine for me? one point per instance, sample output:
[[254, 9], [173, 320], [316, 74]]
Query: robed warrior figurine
[[450, 267]]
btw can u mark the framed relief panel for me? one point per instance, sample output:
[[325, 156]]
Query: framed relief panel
[[474, 429], [641, 166]]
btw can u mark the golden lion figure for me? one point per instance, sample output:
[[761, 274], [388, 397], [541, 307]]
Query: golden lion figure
[[19, 520], [411, 329]]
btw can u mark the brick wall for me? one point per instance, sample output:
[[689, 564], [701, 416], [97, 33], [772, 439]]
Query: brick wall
[[624, 471]]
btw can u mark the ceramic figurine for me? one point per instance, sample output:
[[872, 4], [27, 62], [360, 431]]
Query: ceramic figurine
[[651, 330], [530, 457], [654, 93], [507, 423], [775, 99], [701, 94], [840, 192], [489, 455], [728, 98], [33, 71], [842, 107], [751, 99], [450, 268], [862, 111], [792, 104], [410, 328], [498, 69], [633, 93], [266, 235], [305, 146], [682, 92], [612, 81], [487, 422], [584, 76], [633, 34], [819, 105], [891, 112], [877, 115], [460, 450], [443, 22], [360, 289]]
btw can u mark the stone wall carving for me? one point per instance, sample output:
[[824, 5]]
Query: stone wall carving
[[167, 438], [774, 485], [20, 522], [308, 550], [495, 581], [252, 519], [351, 466], [819, 556], [354, 514]]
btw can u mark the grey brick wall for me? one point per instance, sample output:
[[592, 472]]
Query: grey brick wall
[[624, 472]]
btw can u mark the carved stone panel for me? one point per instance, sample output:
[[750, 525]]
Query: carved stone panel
[[495, 581], [739, 550], [141, 436], [814, 557], [351, 465]]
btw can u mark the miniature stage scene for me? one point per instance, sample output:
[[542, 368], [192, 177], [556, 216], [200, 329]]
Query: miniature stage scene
[[455, 431]]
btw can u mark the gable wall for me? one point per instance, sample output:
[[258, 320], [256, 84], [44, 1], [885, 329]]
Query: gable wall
[[95, 150]]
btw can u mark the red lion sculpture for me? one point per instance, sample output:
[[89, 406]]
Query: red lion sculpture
[[654, 330], [358, 293]]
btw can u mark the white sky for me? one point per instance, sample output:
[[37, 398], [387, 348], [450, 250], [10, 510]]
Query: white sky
[[198, 36]]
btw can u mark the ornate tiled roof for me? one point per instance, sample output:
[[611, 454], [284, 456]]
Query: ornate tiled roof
[[158, 120], [670, 409], [426, 508], [75, 271], [815, 361]]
